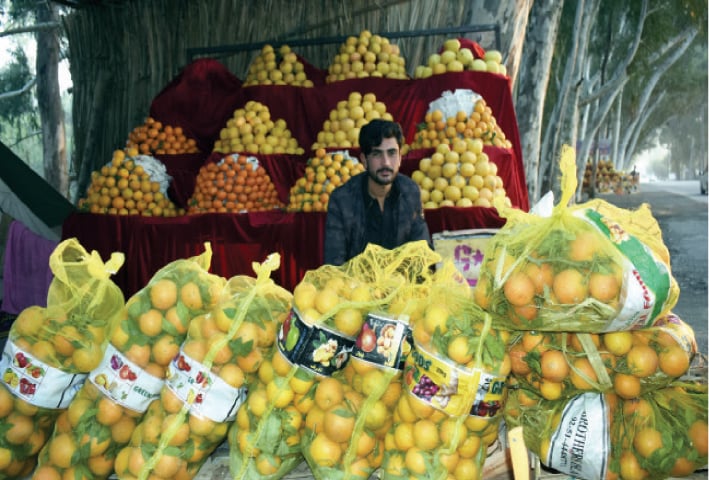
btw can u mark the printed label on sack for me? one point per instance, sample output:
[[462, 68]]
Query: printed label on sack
[[205, 392], [646, 280], [313, 347], [681, 332], [580, 445], [453, 390], [124, 382], [36, 382], [383, 341]]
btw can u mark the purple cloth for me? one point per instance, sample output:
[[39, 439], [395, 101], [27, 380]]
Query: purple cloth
[[26, 274]]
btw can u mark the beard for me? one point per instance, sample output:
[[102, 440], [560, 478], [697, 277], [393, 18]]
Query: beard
[[380, 179]]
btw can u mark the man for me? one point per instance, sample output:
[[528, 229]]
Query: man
[[378, 205]]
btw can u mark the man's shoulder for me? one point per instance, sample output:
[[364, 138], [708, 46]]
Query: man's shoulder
[[351, 185], [406, 185]]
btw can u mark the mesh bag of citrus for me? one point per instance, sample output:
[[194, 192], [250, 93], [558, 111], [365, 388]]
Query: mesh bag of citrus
[[50, 351], [329, 308], [590, 267], [345, 430], [659, 435], [206, 381], [557, 365], [455, 389], [103, 415]]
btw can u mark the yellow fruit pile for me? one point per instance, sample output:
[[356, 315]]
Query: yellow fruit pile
[[341, 129], [251, 130], [367, 56], [234, 184], [607, 177], [277, 68], [323, 173], [461, 176], [123, 187], [152, 137], [455, 58], [481, 123]]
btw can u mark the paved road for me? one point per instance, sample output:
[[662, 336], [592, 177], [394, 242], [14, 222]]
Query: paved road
[[681, 212]]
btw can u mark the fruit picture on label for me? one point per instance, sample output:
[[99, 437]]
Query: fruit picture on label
[[292, 337], [126, 373], [10, 378], [324, 352], [101, 380], [116, 362], [27, 387], [367, 339], [425, 388], [182, 364], [386, 342], [20, 360]]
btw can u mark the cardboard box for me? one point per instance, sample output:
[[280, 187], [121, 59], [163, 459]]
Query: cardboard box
[[465, 248]]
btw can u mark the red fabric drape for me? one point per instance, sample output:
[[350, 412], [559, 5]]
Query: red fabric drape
[[237, 240]]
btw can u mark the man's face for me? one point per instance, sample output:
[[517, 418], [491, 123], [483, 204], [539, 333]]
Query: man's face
[[383, 161]]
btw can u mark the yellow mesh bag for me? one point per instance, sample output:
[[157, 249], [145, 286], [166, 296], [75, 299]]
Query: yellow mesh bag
[[357, 403], [314, 343], [51, 350], [661, 434], [103, 416], [454, 390], [591, 267], [206, 382], [554, 365]]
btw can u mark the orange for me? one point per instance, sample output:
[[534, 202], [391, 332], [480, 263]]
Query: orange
[[100, 465], [642, 360], [674, 361], [138, 354], [436, 317], [618, 343], [647, 441], [603, 287], [698, 435], [466, 468], [61, 449], [415, 460], [338, 423], [122, 430], [20, 430], [626, 386], [542, 276], [136, 461], [233, 375], [190, 296], [581, 373], [5, 458], [326, 300], [150, 322], [7, 402], [554, 366], [173, 317], [46, 472], [550, 390], [87, 358], [426, 435], [519, 289], [404, 436], [683, 467], [279, 393], [324, 451], [267, 464], [163, 294], [349, 321], [108, 412], [569, 286], [459, 350], [164, 350], [519, 365], [329, 392], [584, 246]]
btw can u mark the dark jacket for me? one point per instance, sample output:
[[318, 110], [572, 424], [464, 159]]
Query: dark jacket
[[345, 227]]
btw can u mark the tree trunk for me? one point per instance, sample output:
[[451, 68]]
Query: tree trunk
[[534, 75], [50, 104], [677, 47]]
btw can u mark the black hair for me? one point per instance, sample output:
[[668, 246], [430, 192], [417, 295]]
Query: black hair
[[372, 134]]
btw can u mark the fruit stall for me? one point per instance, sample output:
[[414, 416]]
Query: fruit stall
[[191, 329], [212, 107]]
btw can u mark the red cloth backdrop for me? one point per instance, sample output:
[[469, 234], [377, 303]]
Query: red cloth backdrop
[[204, 96]]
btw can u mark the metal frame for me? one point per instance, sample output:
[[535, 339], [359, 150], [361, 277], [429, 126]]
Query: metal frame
[[243, 47]]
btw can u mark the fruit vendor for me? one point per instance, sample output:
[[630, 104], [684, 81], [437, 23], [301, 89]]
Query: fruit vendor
[[379, 205]]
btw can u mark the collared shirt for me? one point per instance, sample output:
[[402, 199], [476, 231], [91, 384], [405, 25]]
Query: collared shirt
[[354, 218]]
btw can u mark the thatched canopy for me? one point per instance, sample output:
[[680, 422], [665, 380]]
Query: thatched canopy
[[123, 53]]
